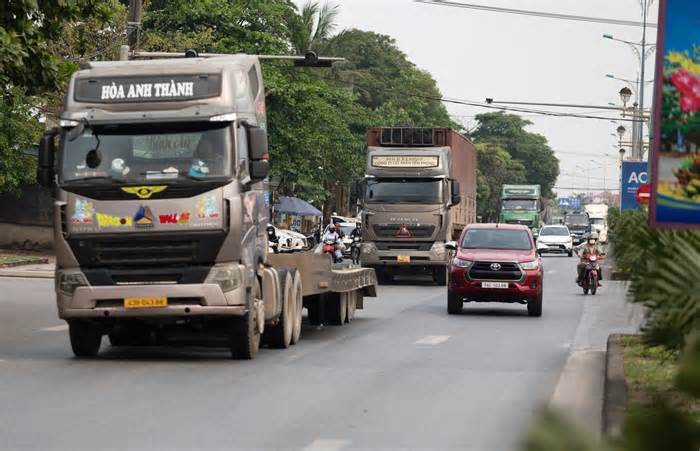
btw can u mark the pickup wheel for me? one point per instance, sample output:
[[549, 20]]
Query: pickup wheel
[[534, 306], [245, 331], [85, 338], [440, 276], [454, 303], [280, 335], [298, 296], [571, 253]]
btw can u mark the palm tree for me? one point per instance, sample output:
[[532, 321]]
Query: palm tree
[[313, 27]]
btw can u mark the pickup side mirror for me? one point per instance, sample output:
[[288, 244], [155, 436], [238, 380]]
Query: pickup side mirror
[[45, 173], [455, 192], [451, 246], [257, 143]]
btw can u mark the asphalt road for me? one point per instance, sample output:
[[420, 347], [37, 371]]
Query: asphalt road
[[404, 374]]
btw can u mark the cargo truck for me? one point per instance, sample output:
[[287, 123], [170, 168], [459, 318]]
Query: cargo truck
[[522, 204], [159, 169], [419, 191]]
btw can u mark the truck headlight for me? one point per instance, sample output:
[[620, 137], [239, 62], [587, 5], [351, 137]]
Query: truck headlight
[[369, 248], [226, 275], [458, 262], [69, 281], [438, 248], [530, 265]]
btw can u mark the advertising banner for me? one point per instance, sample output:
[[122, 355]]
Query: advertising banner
[[675, 200], [634, 174]]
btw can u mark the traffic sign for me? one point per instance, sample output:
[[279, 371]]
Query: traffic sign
[[643, 193]]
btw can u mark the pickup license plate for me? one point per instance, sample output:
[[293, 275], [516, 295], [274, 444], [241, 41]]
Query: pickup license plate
[[494, 284], [145, 302], [403, 259]]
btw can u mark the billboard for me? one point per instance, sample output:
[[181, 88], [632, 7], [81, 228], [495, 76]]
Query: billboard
[[570, 203], [675, 200], [634, 173]]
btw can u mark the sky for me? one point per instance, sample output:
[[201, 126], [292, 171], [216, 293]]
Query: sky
[[477, 54]]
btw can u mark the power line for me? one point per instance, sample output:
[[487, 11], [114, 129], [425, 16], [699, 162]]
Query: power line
[[523, 12]]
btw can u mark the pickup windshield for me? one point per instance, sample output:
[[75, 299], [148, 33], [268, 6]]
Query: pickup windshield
[[146, 153], [497, 239], [520, 204], [554, 231], [425, 191]]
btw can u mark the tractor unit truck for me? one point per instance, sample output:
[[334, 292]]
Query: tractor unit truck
[[419, 192], [159, 169], [522, 204]]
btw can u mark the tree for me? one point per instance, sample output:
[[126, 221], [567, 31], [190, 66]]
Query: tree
[[311, 29], [27, 60], [532, 150], [19, 131]]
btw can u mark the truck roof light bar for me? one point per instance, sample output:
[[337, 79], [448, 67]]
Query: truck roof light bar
[[310, 59]]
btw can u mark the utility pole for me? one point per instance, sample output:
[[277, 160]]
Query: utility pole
[[643, 59], [134, 23]]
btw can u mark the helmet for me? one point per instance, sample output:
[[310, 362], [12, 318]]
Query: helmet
[[594, 236], [331, 227]]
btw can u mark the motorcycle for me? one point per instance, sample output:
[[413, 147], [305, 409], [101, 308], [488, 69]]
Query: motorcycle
[[355, 250], [329, 247], [591, 275]]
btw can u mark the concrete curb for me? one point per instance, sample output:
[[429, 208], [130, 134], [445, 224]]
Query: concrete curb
[[40, 261], [615, 388]]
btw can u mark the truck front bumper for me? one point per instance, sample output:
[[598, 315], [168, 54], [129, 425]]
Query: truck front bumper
[[373, 257], [183, 300]]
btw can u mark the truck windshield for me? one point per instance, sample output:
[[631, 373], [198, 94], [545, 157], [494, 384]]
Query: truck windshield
[[497, 239], [520, 204], [151, 152], [425, 191], [577, 220]]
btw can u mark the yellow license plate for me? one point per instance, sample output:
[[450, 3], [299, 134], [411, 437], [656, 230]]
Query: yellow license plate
[[403, 259], [145, 302]]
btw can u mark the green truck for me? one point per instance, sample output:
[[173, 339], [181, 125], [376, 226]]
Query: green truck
[[522, 204]]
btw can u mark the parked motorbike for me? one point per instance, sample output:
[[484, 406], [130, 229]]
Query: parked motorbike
[[355, 250], [591, 275]]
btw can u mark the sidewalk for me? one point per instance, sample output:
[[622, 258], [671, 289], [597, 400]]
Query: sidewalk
[[579, 392], [40, 271]]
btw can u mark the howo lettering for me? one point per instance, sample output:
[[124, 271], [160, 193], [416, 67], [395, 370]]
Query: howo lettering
[[160, 211]]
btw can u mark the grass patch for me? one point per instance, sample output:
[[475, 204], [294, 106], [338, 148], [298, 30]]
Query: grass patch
[[650, 372], [14, 259]]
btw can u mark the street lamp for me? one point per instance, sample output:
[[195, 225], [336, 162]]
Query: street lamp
[[621, 132], [625, 95]]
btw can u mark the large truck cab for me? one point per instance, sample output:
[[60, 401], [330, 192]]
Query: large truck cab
[[522, 204]]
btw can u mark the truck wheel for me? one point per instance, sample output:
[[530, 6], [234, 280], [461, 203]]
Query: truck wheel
[[337, 308], [280, 335], [352, 304], [454, 303], [534, 306], [383, 276], [85, 338], [314, 310], [440, 276], [245, 332], [298, 296]]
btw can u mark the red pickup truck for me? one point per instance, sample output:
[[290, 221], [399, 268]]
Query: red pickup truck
[[495, 263]]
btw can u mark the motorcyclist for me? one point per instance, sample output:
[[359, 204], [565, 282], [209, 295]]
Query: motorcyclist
[[332, 235], [272, 237], [584, 250], [357, 231]]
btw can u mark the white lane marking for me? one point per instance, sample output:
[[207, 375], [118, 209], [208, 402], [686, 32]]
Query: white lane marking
[[60, 328], [432, 340], [327, 445]]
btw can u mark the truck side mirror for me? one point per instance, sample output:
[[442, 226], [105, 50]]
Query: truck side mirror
[[259, 170], [455, 192], [257, 143], [45, 173]]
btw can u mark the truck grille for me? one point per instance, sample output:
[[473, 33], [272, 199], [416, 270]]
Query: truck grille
[[525, 222], [484, 271], [414, 230]]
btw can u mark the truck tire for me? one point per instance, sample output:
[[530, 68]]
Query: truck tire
[[440, 276], [337, 308], [85, 338], [245, 333], [352, 304], [383, 276], [298, 296], [534, 306], [454, 303], [314, 310], [280, 334]]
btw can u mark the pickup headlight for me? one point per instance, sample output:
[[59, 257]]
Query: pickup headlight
[[227, 276], [458, 262], [530, 265], [69, 281]]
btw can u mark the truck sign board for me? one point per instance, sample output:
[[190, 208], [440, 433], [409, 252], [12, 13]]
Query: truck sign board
[[405, 161], [147, 89], [675, 184], [634, 174]]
